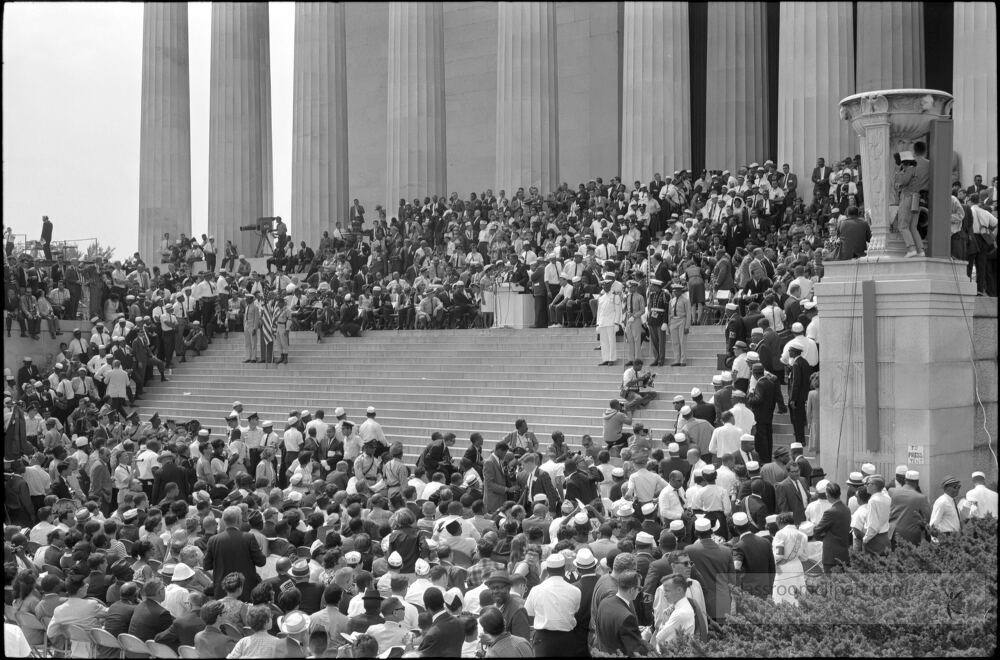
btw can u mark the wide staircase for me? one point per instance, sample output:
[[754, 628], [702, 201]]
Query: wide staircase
[[440, 380]]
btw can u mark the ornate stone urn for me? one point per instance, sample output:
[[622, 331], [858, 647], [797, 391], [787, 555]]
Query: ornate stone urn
[[889, 121]]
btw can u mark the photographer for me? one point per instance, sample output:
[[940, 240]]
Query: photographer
[[637, 386], [908, 181]]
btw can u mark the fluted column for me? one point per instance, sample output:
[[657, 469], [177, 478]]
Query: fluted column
[[165, 128], [320, 186], [236, 152], [890, 45], [736, 124], [416, 146], [656, 90], [264, 71], [815, 71], [975, 89], [527, 97]]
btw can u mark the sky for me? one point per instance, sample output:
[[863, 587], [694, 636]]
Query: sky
[[71, 86]]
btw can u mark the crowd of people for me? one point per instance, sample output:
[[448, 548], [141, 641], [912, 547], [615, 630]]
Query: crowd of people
[[323, 541]]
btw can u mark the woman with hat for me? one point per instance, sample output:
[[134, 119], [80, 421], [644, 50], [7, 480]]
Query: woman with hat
[[406, 540]]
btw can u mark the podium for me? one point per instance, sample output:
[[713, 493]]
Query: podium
[[513, 309]]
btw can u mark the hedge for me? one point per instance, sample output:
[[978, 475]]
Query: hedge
[[936, 599]]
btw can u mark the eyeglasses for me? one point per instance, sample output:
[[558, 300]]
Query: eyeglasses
[[682, 563]]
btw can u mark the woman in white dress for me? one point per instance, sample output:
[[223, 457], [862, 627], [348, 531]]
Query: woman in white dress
[[790, 549]]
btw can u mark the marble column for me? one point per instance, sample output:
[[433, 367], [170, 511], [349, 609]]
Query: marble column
[[165, 128], [320, 186], [656, 85], [890, 45], [736, 123], [264, 70], [975, 89], [527, 97], [416, 145], [815, 71], [236, 152]]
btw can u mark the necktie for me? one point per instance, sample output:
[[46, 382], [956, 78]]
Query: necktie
[[674, 304], [680, 498], [802, 493]]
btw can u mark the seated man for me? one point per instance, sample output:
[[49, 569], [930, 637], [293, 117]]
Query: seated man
[[463, 309], [559, 304], [637, 386], [350, 318], [326, 322], [194, 340], [430, 312]]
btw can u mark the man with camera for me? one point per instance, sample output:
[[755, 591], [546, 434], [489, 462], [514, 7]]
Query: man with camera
[[637, 386]]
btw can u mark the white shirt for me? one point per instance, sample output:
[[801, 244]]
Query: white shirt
[[293, 439], [670, 503], [144, 462], [944, 515], [320, 426], [743, 417], [711, 497], [725, 439], [553, 604], [815, 510], [680, 621], [812, 330], [177, 600], [727, 479], [986, 501], [371, 430], [878, 515]]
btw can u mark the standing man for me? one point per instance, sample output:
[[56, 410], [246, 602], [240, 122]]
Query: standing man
[[655, 311], [909, 510], [540, 293], [716, 569], [752, 556], [944, 516], [876, 531], [553, 604], [798, 392], [635, 304], [607, 324], [251, 326], [679, 323], [834, 529], [615, 619], [232, 550], [821, 179], [496, 487], [280, 322], [985, 499], [47, 237], [791, 495]]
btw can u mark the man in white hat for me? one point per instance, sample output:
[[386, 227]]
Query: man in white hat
[[553, 605], [678, 323], [752, 558], [714, 563], [816, 508], [980, 501], [609, 316], [909, 510]]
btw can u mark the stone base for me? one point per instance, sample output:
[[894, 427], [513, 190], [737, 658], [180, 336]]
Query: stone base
[[923, 318]]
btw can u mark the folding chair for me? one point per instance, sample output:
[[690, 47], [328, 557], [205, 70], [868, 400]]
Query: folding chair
[[133, 645], [9, 614], [29, 621], [82, 636], [159, 650], [103, 639], [188, 652], [231, 631]]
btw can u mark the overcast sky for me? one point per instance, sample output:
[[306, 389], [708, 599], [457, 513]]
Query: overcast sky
[[71, 85]]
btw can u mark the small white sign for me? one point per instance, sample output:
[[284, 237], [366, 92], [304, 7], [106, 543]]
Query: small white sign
[[915, 454]]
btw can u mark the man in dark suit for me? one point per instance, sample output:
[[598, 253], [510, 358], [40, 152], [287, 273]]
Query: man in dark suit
[[769, 349], [232, 550], [660, 568], [754, 557], [791, 494], [909, 511], [120, 612], [798, 392], [615, 620], [150, 618], [788, 181], [834, 529], [762, 402], [586, 566], [715, 570], [747, 453], [854, 235], [540, 293], [182, 631], [533, 481], [674, 463], [821, 178], [445, 636], [700, 408], [169, 473], [496, 488]]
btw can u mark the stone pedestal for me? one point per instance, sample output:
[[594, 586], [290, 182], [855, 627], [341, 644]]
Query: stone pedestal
[[975, 89], [237, 176], [887, 122], [527, 98], [416, 146], [815, 71], [656, 83], [165, 128], [891, 45], [319, 121], [736, 108], [914, 403]]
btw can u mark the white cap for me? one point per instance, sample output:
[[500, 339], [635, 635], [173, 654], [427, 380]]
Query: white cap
[[685, 411], [797, 328], [236, 403], [648, 508], [617, 472], [695, 392], [295, 496], [353, 557], [716, 379], [708, 469], [680, 437], [900, 470], [395, 559], [821, 485], [555, 560], [726, 376], [421, 567], [581, 518], [338, 412], [676, 525], [644, 538], [746, 437], [912, 475], [795, 445], [740, 519], [698, 472], [370, 410], [233, 415], [773, 518], [624, 511], [753, 356], [540, 498], [673, 448], [304, 413], [752, 466], [295, 479], [702, 525], [978, 474], [678, 399], [868, 469], [292, 420]]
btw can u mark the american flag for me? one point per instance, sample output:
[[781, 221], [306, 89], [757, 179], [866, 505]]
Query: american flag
[[267, 322]]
